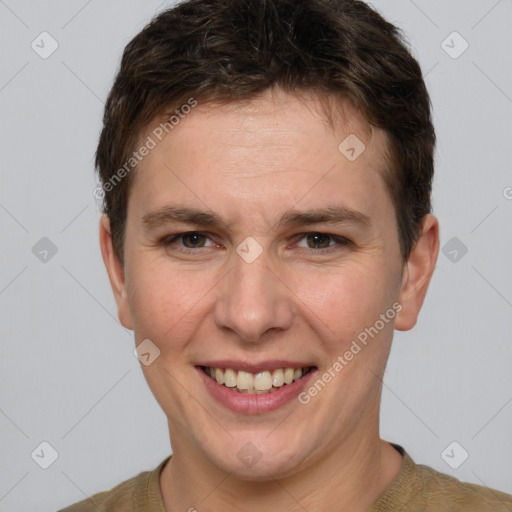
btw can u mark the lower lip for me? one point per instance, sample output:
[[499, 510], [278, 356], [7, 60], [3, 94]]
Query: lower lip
[[254, 404]]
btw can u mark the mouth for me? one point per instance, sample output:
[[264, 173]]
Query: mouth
[[259, 383]]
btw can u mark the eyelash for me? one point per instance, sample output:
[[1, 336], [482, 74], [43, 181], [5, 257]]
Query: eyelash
[[340, 241]]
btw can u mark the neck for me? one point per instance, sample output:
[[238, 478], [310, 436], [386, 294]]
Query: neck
[[352, 477]]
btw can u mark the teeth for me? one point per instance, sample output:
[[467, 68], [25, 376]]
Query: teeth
[[230, 378], [288, 375], [278, 378], [263, 381], [219, 376], [259, 383], [244, 380]]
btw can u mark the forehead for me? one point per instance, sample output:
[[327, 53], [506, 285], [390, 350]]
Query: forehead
[[275, 149], [259, 119]]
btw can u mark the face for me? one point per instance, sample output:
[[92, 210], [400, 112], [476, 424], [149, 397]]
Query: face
[[254, 245]]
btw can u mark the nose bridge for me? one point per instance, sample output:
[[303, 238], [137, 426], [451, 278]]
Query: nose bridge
[[251, 299]]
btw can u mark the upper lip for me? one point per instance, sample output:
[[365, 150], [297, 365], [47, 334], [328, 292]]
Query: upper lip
[[252, 367]]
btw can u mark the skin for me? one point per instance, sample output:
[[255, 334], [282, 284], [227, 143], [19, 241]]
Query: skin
[[249, 163]]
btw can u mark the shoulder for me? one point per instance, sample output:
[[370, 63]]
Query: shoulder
[[139, 491], [444, 492], [118, 498], [420, 488]]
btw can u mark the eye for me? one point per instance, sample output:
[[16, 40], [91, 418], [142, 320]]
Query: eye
[[190, 240], [321, 241]]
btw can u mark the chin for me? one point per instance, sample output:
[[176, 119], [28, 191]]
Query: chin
[[258, 460]]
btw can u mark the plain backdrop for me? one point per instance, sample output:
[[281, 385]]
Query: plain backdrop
[[68, 376]]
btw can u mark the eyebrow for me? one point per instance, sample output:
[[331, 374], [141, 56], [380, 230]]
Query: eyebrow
[[330, 214], [169, 214]]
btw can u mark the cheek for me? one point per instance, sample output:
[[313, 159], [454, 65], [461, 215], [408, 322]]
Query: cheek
[[165, 304], [343, 301]]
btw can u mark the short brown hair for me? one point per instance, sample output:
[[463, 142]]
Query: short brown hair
[[229, 50]]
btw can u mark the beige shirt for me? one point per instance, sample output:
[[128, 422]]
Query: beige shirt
[[416, 488]]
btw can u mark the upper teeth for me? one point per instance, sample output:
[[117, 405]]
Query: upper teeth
[[258, 383]]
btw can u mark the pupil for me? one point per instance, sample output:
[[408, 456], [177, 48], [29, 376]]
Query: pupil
[[194, 239], [319, 240]]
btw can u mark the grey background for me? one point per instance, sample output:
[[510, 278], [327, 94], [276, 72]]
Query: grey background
[[67, 371]]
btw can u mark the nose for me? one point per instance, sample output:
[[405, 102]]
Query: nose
[[253, 300]]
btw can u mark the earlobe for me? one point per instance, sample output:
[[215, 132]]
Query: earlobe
[[115, 273], [417, 274]]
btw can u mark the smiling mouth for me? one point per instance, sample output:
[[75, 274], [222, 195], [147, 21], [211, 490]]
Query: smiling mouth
[[260, 383]]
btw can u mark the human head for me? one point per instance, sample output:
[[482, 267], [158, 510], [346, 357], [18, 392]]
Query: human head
[[259, 165], [231, 50]]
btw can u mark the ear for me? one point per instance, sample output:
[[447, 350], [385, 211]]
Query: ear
[[417, 273], [115, 272]]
